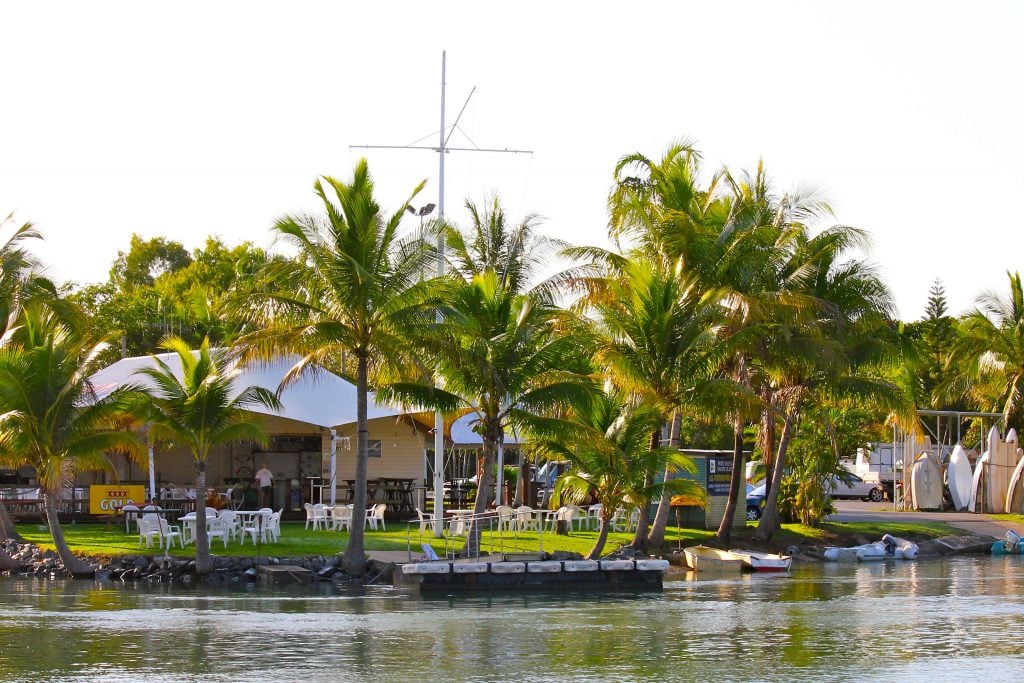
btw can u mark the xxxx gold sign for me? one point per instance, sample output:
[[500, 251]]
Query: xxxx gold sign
[[107, 499]]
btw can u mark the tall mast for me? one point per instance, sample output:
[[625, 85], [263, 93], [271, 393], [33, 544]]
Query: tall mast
[[442, 149]]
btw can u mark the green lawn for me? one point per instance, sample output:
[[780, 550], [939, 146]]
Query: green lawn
[[108, 540]]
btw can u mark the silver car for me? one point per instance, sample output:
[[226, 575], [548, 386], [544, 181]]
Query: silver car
[[855, 488]]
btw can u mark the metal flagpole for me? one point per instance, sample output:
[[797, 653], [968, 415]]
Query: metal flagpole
[[442, 149]]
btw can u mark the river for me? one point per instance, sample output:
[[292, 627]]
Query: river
[[934, 620]]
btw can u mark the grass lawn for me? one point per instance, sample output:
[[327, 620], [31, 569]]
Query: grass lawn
[[109, 540]]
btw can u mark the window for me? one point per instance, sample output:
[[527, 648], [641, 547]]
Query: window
[[374, 448]]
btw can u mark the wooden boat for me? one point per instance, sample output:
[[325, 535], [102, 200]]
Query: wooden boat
[[764, 562], [959, 477], [704, 559]]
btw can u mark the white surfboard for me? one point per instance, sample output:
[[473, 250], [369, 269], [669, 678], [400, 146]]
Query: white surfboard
[[976, 482], [926, 482], [959, 478]]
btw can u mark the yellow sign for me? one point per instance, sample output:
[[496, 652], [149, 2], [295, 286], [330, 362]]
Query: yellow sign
[[107, 499]]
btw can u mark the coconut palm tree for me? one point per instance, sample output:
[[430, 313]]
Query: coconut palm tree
[[828, 357], [659, 338], [50, 417], [989, 351], [198, 410], [352, 296], [515, 253], [607, 440], [17, 267], [503, 356]]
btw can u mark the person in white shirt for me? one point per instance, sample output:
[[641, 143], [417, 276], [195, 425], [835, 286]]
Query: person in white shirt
[[265, 479]]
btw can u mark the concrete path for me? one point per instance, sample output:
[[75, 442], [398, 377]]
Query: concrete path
[[859, 511]]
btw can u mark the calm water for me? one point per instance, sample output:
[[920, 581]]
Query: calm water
[[927, 621]]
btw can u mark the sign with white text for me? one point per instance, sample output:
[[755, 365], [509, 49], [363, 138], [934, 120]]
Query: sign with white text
[[107, 499]]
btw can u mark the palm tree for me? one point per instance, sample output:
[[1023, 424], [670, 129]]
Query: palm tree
[[827, 357], [201, 409], [505, 357], [353, 293], [17, 267], [515, 253], [607, 441], [659, 338], [990, 352], [50, 417]]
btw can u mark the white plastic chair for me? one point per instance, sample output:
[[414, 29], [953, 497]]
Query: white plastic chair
[[231, 523], [581, 517], [217, 528], [131, 513], [308, 507], [506, 517], [553, 517], [169, 532], [594, 516], [148, 532], [341, 518], [426, 521], [375, 515], [257, 526], [525, 520], [275, 525]]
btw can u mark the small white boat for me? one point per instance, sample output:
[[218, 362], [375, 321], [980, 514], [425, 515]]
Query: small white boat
[[704, 559], [872, 552], [764, 562]]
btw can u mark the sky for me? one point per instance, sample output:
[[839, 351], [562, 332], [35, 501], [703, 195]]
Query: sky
[[188, 119]]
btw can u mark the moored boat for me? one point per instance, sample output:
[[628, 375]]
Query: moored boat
[[764, 562], [704, 559]]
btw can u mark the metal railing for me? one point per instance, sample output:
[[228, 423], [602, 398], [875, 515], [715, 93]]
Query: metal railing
[[497, 536]]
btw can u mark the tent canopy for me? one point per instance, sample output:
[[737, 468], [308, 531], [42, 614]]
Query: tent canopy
[[325, 400]]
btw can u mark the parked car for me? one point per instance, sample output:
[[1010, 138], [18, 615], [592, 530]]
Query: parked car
[[755, 502], [855, 488]]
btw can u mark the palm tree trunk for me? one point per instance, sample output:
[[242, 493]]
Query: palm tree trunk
[[7, 528], [769, 523], [657, 537], [354, 560], [643, 522], [735, 484], [72, 564], [8, 563], [517, 500], [491, 439], [768, 440], [204, 563], [602, 538]]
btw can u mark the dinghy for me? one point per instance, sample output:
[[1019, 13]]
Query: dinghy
[[1015, 492], [872, 552], [704, 559], [764, 562], [926, 482], [977, 483], [890, 547], [959, 478]]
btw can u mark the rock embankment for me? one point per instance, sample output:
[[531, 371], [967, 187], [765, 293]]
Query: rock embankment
[[31, 561]]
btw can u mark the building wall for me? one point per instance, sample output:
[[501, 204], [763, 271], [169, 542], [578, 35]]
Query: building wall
[[402, 446]]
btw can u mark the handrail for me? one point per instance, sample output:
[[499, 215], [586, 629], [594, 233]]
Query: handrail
[[497, 538]]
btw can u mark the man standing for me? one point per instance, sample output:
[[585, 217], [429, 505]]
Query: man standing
[[265, 479]]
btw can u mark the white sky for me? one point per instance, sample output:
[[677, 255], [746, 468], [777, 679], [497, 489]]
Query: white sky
[[184, 119]]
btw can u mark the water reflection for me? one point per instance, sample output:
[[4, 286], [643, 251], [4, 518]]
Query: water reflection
[[826, 622]]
